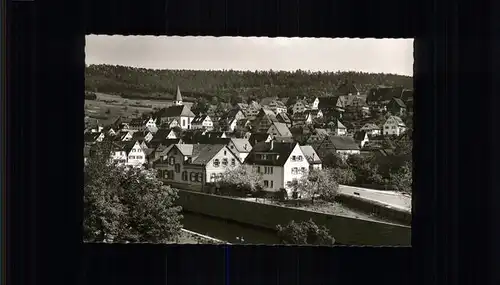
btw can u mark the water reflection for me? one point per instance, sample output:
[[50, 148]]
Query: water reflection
[[231, 232]]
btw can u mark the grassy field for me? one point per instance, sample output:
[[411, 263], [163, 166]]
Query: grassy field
[[109, 107]]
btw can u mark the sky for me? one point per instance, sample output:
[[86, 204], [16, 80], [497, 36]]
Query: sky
[[253, 53]]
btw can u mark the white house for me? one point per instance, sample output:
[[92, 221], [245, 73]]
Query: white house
[[279, 163], [337, 127], [124, 136], [394, 126], [194, 165], [135, 154], [371, 129], [343, 145], [277, 106], [202, 122], [172, 135], [361, 137]]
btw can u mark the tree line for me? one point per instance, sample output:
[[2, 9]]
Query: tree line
[[223, 84]]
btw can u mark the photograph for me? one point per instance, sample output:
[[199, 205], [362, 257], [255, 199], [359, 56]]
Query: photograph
[[248, 140]]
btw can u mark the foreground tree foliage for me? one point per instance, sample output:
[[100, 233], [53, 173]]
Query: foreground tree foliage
[[304, 233], [242, 178], [316, 183], [127, 204], [365, 170], [403, 179]]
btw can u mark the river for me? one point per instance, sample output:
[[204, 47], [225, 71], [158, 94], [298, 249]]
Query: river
[[228, 231]]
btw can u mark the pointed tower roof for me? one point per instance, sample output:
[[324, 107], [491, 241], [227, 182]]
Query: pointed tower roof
[[178, 97]]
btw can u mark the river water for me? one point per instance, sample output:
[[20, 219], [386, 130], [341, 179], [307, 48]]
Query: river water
[[228, 231]]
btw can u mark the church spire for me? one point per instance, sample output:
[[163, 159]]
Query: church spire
[[178, 97]]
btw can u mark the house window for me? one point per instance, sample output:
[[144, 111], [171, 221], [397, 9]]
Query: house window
[[192, 177], [183, 123], [258, 169], [233, 162], [171, 160], [139, 157], [133, 150], [216, 163], [266, 183], [224, 161], [219, 176], [303, 169], [225, 152], [294, 170], [263, 157], [199, 177], [132, 157], [213, 177], [184, 175], [393, 127], [272, 184], [299, 158], [177, 168]]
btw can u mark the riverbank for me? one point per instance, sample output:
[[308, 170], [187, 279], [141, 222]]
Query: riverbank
[[190, 237]]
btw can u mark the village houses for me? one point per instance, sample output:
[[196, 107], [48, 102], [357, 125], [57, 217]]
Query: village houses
[[192, 166], [202, 122], [279, 163]]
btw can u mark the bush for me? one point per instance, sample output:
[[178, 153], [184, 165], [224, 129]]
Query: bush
[[304, 233]]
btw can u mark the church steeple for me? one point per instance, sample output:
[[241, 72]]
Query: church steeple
[[178, 97]]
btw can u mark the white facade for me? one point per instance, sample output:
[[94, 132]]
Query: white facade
[[295, 167], [119, 156], [172, 135], [185, 122], [344, 153], [136, 156], [206, 124], [394, 126]]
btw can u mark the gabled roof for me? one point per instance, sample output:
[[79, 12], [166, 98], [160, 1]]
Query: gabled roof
[[370, 126], [310, 154], [200, 154], [397, 119], [384, 93], [91, 137], [175, 111], [329, 102], [241, 145], [283, 118], [343, 143], [284, 139], [199, 119], [257, 137], [267, 100], [282, 129], [399, 102], [347, 87], [337, 124], [278, 152]]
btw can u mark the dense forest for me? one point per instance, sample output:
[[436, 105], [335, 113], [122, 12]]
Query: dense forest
[[226, 85]]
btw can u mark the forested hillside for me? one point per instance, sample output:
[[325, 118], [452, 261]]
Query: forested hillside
[[227, 85]]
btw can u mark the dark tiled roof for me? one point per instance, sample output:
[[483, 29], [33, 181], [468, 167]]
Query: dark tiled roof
[[384, 94], [267, 100], [200, 154], [399, 102], [284, 139], [175, 111], [359, 135], [277, 152], [328, 102], [199, 119], [343, 143], [257, 137], [91, 137], [283, 118], [347, 87]]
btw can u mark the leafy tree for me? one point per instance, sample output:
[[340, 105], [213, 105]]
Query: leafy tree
[[244, 178], [317, 182], [126, 204], [200, 106], [365, 171], [304, 233], [403, 178]]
